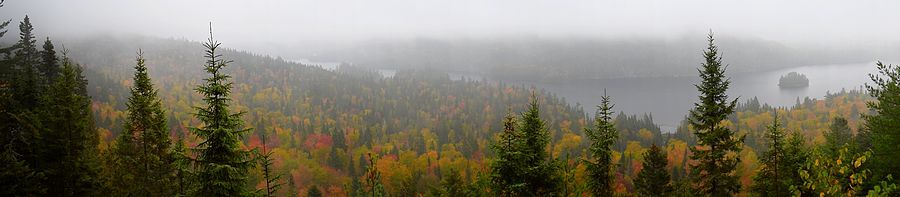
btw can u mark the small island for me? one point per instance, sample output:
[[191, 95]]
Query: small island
[[793, 80]]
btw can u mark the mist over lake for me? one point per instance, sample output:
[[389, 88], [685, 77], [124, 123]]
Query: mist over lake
[[669, 99]]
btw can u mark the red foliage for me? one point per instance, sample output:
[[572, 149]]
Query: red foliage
[[317, 141]]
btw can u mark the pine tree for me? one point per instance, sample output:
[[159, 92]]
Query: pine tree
[[272, 179], [771, 179], [717, 146], [222, 164], [654, 178], [885, 119], [69, 141], [144, 142], [505, 168], [538, 171], [603, 137]]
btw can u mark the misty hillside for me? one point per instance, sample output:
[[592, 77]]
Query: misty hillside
[[582, 58], [462, 98]]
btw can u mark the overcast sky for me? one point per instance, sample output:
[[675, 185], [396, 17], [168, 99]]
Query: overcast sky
[[245, 21]]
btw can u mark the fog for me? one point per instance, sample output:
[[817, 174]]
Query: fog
[[270, 26]]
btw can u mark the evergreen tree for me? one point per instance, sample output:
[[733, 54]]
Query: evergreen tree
[[372, 186], [717, 146], [272, 179], [603, 136], [452, 184], [837, 136], [184, 176], [654, 179], [771, 179], [16, 177], [538, 171], [144, 142], [863, 139], [313, 192], [69, 141], [885, 119], [222, 163], [505, 168], [18, 159], [50, 64], [796, 154], [26, 89]]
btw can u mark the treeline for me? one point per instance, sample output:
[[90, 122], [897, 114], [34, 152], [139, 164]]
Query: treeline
[[522, 58], [268, 127]]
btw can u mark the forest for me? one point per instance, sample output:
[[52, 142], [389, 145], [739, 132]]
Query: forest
[[102, 117]]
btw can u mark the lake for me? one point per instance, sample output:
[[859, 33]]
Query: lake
[[669, 99]]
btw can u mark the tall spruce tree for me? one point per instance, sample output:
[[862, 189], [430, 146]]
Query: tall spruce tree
[[26, 82], [771, 179], [885, 119], [49, 62], [222, 163], [603, 137], [654, 178], [69, 141], [18, 158], [143, 149], [538, 171], [505, 168], [717, 146]]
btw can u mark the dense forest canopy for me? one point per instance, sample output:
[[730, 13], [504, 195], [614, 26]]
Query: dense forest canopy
[[145, 116]]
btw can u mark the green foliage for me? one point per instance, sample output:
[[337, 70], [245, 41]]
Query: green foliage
[[16, 177], [885, 120], [453, 185], [266, 161], [222, 163], [522, 166], [69, 141], [505, 173], [185, 177], [602, 137], [538, 171], [717, 158], [371, 185], [654, 179], [50, 64], [781, 162], [143, 160], [837, 136], [842, 175]]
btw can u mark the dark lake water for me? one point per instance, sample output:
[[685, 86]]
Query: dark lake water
[[669, 99]]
